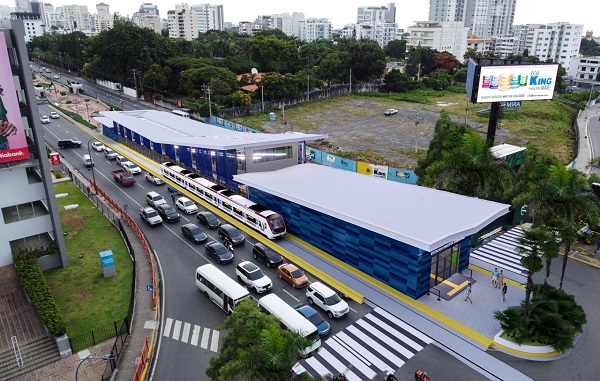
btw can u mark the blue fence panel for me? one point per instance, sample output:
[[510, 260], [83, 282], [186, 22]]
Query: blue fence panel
[[314, 155], [402, 175], [146, 142], [110, 132], [338, 162], [170, 151], [221, 165], [185, 156], [158, 148]]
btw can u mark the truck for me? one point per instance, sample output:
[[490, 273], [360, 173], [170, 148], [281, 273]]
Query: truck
[[124, 177]]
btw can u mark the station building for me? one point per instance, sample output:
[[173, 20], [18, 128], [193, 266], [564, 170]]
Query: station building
[[404, 235]]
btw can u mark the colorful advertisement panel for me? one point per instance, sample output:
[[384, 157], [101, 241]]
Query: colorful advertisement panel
[[516, 83], [372, 169], [313, 155], [13, 144], [402, 175], [339, 162]]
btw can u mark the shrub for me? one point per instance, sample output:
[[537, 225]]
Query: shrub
[[63, 93], [69, 102]]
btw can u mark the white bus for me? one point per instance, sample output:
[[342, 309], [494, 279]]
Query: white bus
[[292, 320], [219, 288], [185, 114]]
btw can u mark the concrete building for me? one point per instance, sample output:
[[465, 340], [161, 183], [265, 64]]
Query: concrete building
[[183, 22], [381, 14], [558, 42], [149, 8], [23, 5], [148, 20], [313, 29], [288, 23], [485, 47], [75, 17], [249, 28], [585, 70], [505, 46], [209, 17], [103, 19], [32, 22], [5, 11], [29, 211], [442, 36]]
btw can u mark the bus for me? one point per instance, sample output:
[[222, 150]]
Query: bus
[[219, 288], [292, 321], [185, 114]]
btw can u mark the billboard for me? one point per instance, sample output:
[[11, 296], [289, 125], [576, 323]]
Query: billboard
[[13, 144], [516, 83]]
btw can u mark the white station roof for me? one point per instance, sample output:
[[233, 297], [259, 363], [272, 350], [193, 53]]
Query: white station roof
[[422, 217], [503, 150], [167, 128]]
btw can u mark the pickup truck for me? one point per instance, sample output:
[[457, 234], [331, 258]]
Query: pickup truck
[[124, 177]]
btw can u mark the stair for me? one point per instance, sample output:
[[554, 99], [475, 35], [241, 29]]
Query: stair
[[35, 354]]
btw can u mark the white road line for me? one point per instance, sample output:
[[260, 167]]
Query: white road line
[[186, 332], [195, 334], [214, 343], [296, 299], [205, 335], [176, 329], [353, 310], [167, 330]]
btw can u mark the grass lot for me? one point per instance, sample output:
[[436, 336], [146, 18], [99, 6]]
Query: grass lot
[[85, 298]]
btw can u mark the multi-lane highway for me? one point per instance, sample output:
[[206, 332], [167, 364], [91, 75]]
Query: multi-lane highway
[[189, 333]]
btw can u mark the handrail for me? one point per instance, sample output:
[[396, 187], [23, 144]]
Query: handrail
[[17, 351], [435, 289]]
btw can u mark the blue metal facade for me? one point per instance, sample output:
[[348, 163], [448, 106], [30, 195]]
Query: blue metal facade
[[404, 267]]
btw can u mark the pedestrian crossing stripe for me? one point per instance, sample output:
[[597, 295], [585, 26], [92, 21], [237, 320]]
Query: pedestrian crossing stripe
[[204, 337], [502, 251]]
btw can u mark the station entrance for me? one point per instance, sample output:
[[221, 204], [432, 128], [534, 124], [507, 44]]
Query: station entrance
[[444, 264]]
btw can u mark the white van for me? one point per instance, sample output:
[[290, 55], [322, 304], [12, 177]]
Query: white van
[[181, 113], [292, 320], [88, 161], [220, 288]]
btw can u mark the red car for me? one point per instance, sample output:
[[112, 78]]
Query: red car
[[293, 275]]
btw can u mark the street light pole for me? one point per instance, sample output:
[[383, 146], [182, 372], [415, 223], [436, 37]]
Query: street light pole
[[416, 133], [92, 167]]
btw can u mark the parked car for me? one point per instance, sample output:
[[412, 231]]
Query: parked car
[[314, 317], [53, 115], [98, 146], [154, 199], [253, 277], [391, 111], [56, 76], [168, 213], [186, 205], [266, 255], [44, 119], [151, 177], [150, 215], [208, 219], [232, 234], [69, 143], [293, 275], [194, 233], [219, 252], [110, 154], [327, 299], [131, 167]]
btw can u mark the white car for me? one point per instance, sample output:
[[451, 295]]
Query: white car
[[56, 76], [391, 111], [44, 119], [98, 146], [53, 115], [327, 299], [110, 154], [186, 205], [153, 179], [131, 167], [253, 277], [121, 159], [150, 215]]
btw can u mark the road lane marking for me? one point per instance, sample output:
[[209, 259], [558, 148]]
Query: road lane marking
[[205, 335], [296, 299], [167, 330], [186, 332], [214, 344], [195, 334], [176, 329]]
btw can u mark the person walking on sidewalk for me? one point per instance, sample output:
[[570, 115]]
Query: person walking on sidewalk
[[500, 279], [495, 275], [504, 288], [469, 293]]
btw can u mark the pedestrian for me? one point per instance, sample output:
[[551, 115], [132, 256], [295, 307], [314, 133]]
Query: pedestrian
[[173, 197], [495, 277], [469, 293], [504, 288], [501, 279], [391, 377], [421, 376]]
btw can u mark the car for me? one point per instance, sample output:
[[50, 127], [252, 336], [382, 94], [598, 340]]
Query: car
[[110, 154], [56, 76], [186, 205], [121, 159], [48, 70], [168, 213], [154, 199], [194, 233], [253, 277], [208, 219], [53, 115], [98, 146], [151, 177], [391, 111], [327, 299], [131, 167], [314, 317], [232, 234], [69, 143], [219, 252], [150, 215], [292, 274], [44, 119], [266, 255]]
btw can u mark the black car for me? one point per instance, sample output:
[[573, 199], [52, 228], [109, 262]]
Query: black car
[[168, 213], [69, 143], [208, 219], [230, 233], [266, 255], [194, 233], [219, 252]]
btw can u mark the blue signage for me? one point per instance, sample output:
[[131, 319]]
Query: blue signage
[[402, 175], [107, 258], [513, 104], [149, 287]]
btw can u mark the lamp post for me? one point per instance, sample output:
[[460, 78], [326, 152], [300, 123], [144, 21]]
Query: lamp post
[[416, 133], [92, 167], [92, 357], [87, 110]]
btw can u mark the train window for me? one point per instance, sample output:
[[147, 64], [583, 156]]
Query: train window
[[193, 187], [209, 196], [238, 212], [226, 205], [251, 219], [201, 191]]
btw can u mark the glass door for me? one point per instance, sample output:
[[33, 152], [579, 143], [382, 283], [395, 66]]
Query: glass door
[[444, 265]]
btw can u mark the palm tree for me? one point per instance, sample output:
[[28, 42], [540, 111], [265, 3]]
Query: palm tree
[[564, 197], [531, 246], [550, 250]]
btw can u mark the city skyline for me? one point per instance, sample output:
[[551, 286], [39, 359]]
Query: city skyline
[[527, 11]]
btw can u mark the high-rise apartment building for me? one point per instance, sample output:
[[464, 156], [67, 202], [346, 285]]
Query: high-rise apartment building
[[29, 215], [559, 42], [103, 19], [149, 8], [183, 22], [380, 14], [33, 24], [485, 18], [313, 29], [75, 17], [147, 20], [23, 5], [210, 17], [446, 36], [5, 11], [288, 24]]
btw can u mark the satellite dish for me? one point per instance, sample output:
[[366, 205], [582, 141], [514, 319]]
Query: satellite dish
[[254, 71]]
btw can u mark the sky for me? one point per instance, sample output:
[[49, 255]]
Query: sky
[[342, 12]]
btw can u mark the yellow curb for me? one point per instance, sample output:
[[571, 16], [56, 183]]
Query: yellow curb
[[526, 354]]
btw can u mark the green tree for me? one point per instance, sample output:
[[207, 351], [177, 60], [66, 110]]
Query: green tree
[[460, 75], [156, 79], [367, 59], [274, 54], [531, 246], [335, 67], [421, 61], [471, 53], [398, 82], [313, 53], [396, 49], [438, 80], [255, 348], [221, 81], [589, 47]]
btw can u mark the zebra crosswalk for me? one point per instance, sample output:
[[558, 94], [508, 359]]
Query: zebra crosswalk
[[376, 343], [192, 334], [501, 252]]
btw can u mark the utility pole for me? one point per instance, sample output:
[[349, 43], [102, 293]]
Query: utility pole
[[308, 87], [416, 133], [134, 71], [350, 80], [207, 91], [262, 98]]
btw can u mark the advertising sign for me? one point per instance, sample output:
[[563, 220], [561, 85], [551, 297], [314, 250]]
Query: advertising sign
[[54, 158], [516, 83], [339, 162], [372, 169], [13, 144], [402, 175]]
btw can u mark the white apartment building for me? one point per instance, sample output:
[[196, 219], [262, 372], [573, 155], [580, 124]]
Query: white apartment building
[[442, 36], [584, 70], [149, 8], [103, 19], [183, 22], [485, 47], [209, 17], [382, 33], [313, 29], [485, 18], [5, 11], [382, 14], [32, 22], [558, 42], [506, 46], [447, 10], [147, 20], [23, 5], [288, 24], [75, 17], [249, 28]]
